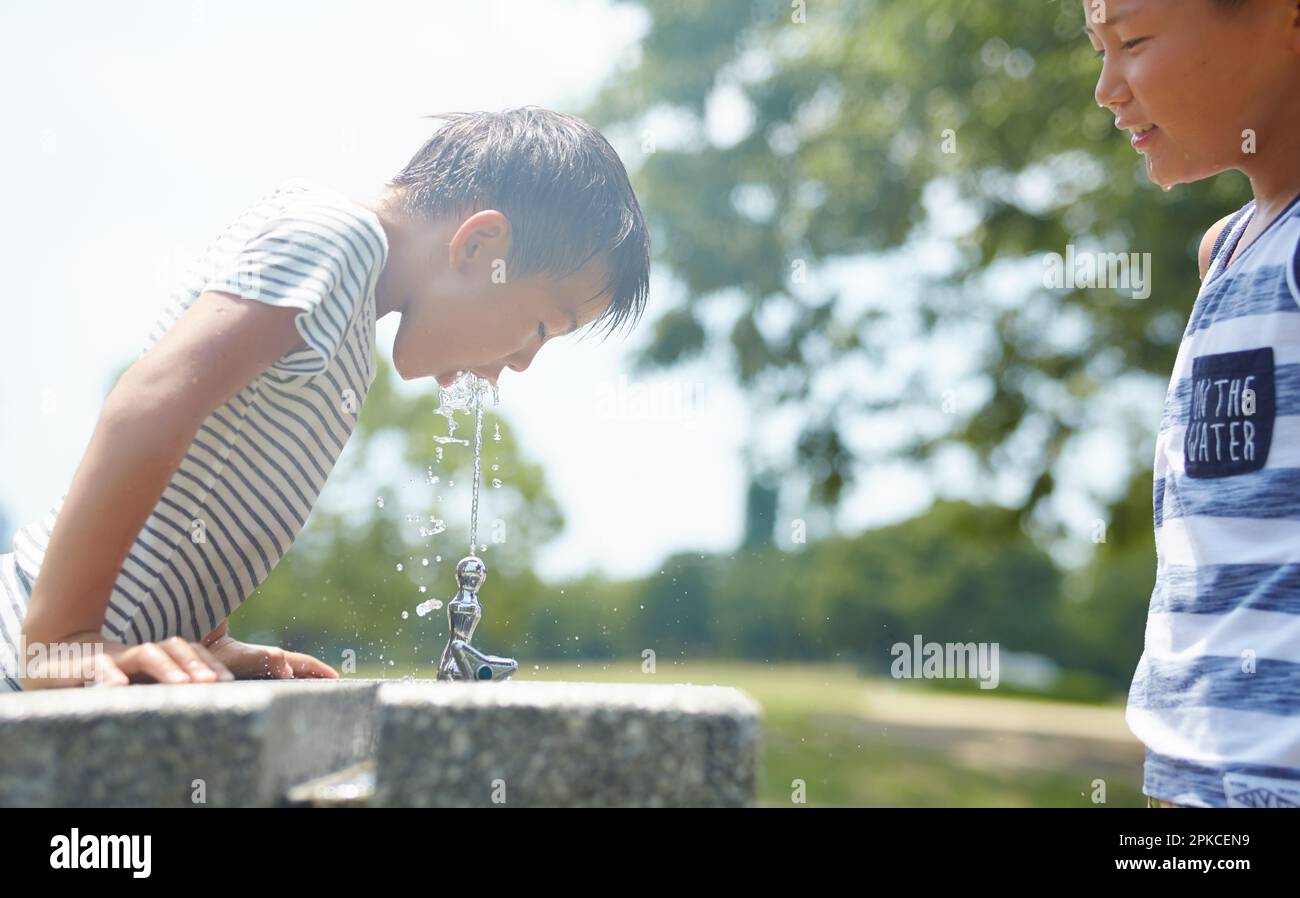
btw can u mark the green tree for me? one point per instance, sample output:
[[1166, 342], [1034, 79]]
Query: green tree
[[956, 143]]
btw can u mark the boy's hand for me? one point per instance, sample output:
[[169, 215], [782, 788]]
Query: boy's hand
[[247, 661], [85, 659]]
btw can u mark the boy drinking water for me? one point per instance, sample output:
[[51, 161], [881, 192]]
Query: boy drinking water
[[504, 231], [1205, 86]]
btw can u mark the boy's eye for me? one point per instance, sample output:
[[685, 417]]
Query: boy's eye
[[1127, 45], [541, 331]]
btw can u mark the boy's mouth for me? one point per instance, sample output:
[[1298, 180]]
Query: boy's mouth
[[446, 380], [1141, 135]]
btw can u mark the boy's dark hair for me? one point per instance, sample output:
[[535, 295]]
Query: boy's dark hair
[[559, 182]]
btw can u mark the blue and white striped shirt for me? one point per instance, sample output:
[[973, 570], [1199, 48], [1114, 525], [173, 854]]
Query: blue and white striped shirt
[[1216, 694], [248, 481]]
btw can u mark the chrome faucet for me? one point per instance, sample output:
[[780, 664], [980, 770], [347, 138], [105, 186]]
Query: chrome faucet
[[460, 660]]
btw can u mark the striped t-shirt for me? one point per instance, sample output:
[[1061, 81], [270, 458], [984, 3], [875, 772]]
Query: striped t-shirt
[[1216, 694], [248, 481]]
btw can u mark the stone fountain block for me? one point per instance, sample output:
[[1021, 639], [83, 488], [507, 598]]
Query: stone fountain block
[[565, 744], [146, 745], [390, 742]]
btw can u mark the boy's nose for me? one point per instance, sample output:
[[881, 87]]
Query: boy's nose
[[1111, 90], [521, 360]]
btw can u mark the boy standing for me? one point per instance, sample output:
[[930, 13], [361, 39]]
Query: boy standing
[[1205, 86], [503, 231]]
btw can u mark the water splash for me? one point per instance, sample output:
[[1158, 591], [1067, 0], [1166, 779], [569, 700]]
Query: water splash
[[465, 392], [425, 607], [478, 468]]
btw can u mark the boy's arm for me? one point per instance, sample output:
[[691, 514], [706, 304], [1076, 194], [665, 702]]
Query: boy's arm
[[1207, 242], [216, 634], [220, 344]]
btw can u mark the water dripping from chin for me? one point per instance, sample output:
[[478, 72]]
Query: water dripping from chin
[[1151, 175]]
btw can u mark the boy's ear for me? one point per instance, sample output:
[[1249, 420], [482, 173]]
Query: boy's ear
[[485, 235]]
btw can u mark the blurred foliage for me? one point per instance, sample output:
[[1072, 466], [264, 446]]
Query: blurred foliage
[[843, 155]]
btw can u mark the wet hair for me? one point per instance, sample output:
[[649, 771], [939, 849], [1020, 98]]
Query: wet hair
[[556, 179]]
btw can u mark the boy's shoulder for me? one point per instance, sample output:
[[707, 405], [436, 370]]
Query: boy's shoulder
[[1210, 241], [305, 197], [1215, 237]]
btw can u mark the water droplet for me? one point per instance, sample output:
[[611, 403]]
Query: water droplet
[[404, 615], [437, 558], [496, 483], [424, 562], [399, 566], [496, 467], [438, 453], [423, 589], [496, 435], [379, 501]]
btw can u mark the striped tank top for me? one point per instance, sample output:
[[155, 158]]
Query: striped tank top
[[249, 479], [1216, 694]]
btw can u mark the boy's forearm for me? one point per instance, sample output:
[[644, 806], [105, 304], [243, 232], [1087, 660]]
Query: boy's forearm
[[216, 634], [134, 450]]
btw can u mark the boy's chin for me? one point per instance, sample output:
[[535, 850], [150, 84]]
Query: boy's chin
[[1166, 172]]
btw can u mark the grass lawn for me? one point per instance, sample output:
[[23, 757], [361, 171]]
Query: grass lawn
[[857, 741]]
